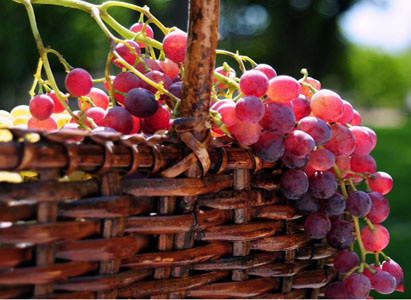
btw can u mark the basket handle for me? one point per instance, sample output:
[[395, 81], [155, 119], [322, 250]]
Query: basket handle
[[199, 62]]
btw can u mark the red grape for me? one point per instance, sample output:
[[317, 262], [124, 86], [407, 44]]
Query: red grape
[[124, 82], [380, 208], [299, 143], [254, 83], [306, 91], [267, 70], [227, 112], [151, 64], [136, 125], [119, 119], [327, 105], [249, 109], [373, 136], [269, 147], [140, 102], [58, 107], [99, 98], [97, 114], [395, 270], [278, 118], [159, 121], [375, 240], [383, 282], [369, 274], [48, 124], [317, 128], [359, 203], [78, 82], [323, 185], [363, 142], [230, 74], [357, 286], [169, 68], [348, 113], [321, 160], [317, 225], [293, 184], [125, 53], [356, 118], [174, 46], [283, 88], [342, 142], [138, 27], [345, 260], [247, 133], [157, 77], [381, 182], [301, 107], [362, 164], [41, 106]]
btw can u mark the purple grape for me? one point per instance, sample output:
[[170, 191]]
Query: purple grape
[[335, 290], [293, 184], [140, 102], [357, 286], [335, 205], [317, 225], [269, 147], [345, 260], [317, 128], [294, 162], [299, 143], [307, 204], [383, 282], [323, 185], [359, 203], [341, 235], [278, 118]]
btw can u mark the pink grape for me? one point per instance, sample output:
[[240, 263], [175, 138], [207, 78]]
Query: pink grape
[[301, 107], [227, 112], [169, 68], [267, 70], [357, 286], [317, 128], [119, 119], [335, 290], [375, 240], [249, 109], [341, 234], [247, 133], [48, 124], [283, 88], [254, 83], [373, 136], [293, 184], [359, 203], [383, 282], [356, 118], [299, 143], [306, 91], [345, 260], [335, 205], [343, 164], [230, 74], [138, 27], [151, 64], [125, 53], [159, 121], [381, 182], [97, 114], [157, 77], [342, 142], [124, 82], [395, 270], [278, 118], [369, 274], [323, 184], [99, 98], [363, 142], [317, 225], [321, 160], [140, 102], [348, 113], [269, 147], [41, 106], [327, 105], [362, 164], [174, 46], [78, 82], [58, 107]]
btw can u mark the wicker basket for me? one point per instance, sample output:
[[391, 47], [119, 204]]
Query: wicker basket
[[181, 215]]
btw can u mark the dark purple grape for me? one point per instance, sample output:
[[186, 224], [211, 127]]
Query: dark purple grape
[[323, 185], [359, 203], [140, 102], [341, 235], [269, 147], [345, 260], [294, 162], [317, 225], [357, 286], [335, 205], [293, 184], [335, 290], [299, 143], [278, 118], [307, 204]]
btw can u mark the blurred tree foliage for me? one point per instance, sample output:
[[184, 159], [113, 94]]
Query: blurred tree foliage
[[288, 34]]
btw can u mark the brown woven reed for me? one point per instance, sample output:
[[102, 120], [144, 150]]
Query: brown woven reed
[[181, 215]]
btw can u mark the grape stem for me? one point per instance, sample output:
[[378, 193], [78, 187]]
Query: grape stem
[[239, 58]]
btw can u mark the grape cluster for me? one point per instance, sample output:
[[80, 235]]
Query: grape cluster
[[312, 132]]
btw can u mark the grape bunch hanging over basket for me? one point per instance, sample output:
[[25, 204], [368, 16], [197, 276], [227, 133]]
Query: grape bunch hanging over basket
[[310, 131]]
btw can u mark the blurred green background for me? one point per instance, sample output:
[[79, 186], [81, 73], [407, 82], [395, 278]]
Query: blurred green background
[[323, 36]]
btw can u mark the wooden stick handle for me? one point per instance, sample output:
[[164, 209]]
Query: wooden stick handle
[[200, 57]]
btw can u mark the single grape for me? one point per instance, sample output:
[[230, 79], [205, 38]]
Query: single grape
[[148, 31], [372, 135], [381, 182], [78, 82], [267, 70], [348, 113], [124, 82], [283, 88], [356, 118], [335, 290], [321, 159], [327, 105], [363, 142], [345, 260], [169, 68], [317, 225], [140, 102], [341, 235], [159, 121], [335, 205], [307, 204], [41, 106], [299, 143], [293, 184], [157, 77], [342, 142], [148, 64], [119, 119], [375, 240], [269, 147], [383, 282], [246, 133], [306, 91], [230, 74], [294, 162], [278, 118], [227, 112], [317, 128], [357, 286], [254, 83], [174, 46], [380, 208], [58, 107], [362, 164], [48, 124], [98, 97], [323, 184], [249, 109], [136, 125], [301, 107], [359, 203], [395, 270], [125, 53], [97, 114]]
